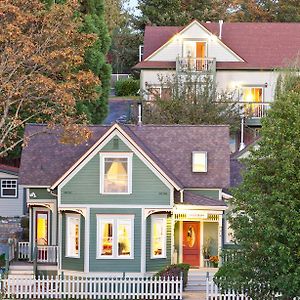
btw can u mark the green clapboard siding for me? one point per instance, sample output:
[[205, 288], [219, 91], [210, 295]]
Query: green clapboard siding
[[40, 193], [115, 265], [214, 194], [154, 265], [76, 264], [84, 187]]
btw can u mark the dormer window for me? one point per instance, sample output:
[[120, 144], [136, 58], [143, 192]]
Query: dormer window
[[116, 173], [199, 161]]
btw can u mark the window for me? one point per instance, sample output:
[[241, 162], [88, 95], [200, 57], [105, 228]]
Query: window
[[252, 94], [158, 236], [9, 188], [116, 173], [229, 233], [199, 161], [161, 92], [73, 236], [115, 236]]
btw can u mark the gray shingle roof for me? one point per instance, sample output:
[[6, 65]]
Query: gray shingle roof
[[44, 160]]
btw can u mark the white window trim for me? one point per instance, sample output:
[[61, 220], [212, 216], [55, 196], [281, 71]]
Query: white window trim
[[129, 170], [195, 152], [115, 220], [16, 188], [68, 217], [153, 219], [153, 86], [226, 236]]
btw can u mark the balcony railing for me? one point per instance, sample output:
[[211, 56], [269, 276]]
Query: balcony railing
[[195, 65], [255, 110]]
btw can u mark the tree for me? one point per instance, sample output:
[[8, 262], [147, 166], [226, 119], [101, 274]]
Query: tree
[[114, 14], [41, 79], [178, 12], [95, 57], [264, 11], [266, 206], [191, 100]]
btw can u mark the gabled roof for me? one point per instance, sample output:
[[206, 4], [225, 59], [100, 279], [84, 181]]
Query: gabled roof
[[45, 160], [9, 169], [261, 45]]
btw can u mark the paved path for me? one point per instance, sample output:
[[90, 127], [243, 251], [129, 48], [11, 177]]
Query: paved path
[[194, 295]]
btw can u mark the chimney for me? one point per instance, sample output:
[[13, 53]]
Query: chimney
[[220, 28], [139, 113]]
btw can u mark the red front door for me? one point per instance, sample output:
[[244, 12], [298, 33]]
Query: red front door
[[191, 243]]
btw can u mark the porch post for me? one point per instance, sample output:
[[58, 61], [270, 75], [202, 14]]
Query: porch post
[[201, 242], [87, 242], [60, 233], [30, 233], [143, 241], [173, 240], [220, 237]]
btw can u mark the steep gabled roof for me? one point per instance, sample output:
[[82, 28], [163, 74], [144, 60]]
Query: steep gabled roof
[[261, 45], [45, 160]]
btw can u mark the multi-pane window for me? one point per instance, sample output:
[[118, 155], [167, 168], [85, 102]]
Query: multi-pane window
[[73, 236], [9, 188], [253, 98], [115, 236], [116, 174], [199, 161], [158, 236]]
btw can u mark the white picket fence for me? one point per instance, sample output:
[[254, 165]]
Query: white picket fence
[[213, 293], [75, 287]]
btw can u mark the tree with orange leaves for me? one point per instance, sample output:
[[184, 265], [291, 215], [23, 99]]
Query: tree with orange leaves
[[41, 74]]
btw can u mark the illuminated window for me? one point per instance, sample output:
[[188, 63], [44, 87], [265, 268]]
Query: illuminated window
[[42, 228], [199, 161], [73, 236], [252, 94], [9, 188], [115, 236], [116, 172], [158, 236]]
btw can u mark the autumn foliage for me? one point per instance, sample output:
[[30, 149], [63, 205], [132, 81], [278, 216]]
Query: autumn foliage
[[41, 74]]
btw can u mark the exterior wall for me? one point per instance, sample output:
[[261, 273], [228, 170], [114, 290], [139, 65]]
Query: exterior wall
[[68, 263], [195, 32], [234, 80], [153, 77], [12, 207], [84, 187], [158, 263], [115, 265], [214, 194], [40, 194]]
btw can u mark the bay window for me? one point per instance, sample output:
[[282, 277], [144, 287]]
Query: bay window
[[158, 236], [115, 236], [116, 173], [73, 236]]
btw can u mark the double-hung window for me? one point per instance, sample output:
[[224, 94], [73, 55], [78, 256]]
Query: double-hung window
[[116, 173], [115, 236], [73, 236], [9, 188], [199, 161], [158, 236]]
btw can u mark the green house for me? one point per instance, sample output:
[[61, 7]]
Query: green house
[[133, 198]]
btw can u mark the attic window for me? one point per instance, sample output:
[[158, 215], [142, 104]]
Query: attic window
[[199, 161]]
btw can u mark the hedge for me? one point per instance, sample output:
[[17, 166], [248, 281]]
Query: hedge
[[127, 87]]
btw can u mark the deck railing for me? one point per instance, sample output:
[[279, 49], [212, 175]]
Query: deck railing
[[47, 254], [78, 287], [255, 109], [24, 250], [195, 65]]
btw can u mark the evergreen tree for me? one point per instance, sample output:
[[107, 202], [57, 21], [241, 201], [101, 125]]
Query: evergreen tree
[[95, 57], [266, 211]]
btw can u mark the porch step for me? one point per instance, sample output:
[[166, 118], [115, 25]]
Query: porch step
[[197, 280], [21, 270]]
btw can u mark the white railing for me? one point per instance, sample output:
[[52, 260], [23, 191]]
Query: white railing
[[255, 110], [47, 254], [11, 250], [24, 250], [75, 287], [213, 293], [192, 64]]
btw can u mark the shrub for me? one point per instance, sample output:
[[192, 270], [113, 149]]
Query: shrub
[[175, 270], [2, 260], [127, 87]]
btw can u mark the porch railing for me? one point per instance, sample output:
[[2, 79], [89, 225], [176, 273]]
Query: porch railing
[[47, 254], [198, 65], [24, 250], [255, 110]]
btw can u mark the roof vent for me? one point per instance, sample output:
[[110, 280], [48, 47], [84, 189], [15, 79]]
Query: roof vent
[[220, 28]]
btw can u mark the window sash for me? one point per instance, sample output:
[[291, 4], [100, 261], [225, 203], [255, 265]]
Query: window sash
[[73, 236], [199, 161], [118, 251], [161, 221], [9, 188]]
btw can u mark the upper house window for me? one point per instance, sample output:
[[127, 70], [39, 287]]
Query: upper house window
[[9, 188], [116, 173], [199, 161]]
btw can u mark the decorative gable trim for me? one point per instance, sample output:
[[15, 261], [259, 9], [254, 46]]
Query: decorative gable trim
[[115, 130], [186, 28]]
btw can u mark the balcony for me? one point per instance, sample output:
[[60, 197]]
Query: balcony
[[196, 65], [254, 112]]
